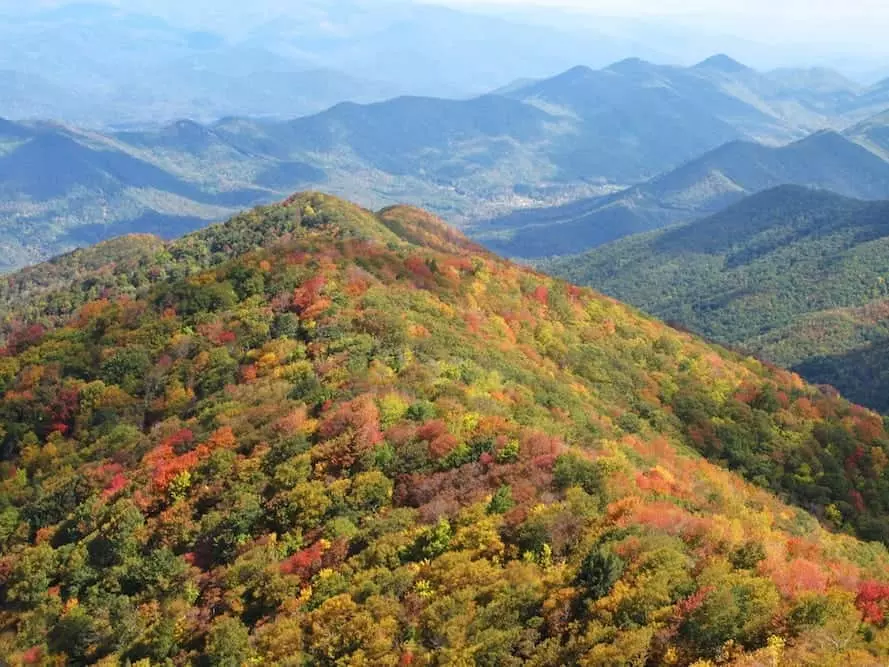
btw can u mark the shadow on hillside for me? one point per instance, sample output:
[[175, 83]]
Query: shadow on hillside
[[165, 226], [861, 376]]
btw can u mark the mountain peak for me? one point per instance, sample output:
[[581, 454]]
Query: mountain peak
[[630, 65], [722, 63], [578, 73], [790, 195], [826, 132], [825, 137]]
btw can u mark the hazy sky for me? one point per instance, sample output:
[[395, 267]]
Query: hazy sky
[[797, 20], [835, 32], [866, 14], [827, 8]]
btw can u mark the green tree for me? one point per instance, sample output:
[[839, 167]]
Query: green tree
[[228, 643], [599, 572]]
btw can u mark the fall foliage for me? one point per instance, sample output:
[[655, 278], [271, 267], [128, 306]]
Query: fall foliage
[[315, 435]]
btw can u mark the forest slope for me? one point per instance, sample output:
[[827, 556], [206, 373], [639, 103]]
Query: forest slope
[[794, 275], [317, 435]]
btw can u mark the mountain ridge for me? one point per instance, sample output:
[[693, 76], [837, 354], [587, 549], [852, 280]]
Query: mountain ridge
[[315, 422], [703, 186], [470, 159], [789, 274]]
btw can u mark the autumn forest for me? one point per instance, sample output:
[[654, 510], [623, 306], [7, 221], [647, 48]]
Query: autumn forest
[[319, 435]]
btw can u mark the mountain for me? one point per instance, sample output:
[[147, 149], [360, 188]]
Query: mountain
[[317, 434], [873, 134], [207, 96], [781, 104], [11, 134], [57, 69], [825, 160], [431, 50], [63, 188], [582, 131], [814, 82], [872, 101], [462, 158], [621, 116], [619, 125], [812, 99], [556, 121], [25, 95], [195, 60], [277, 61], [410, 135], [644, 118], [581, 135], [236, 80], [795, 276]]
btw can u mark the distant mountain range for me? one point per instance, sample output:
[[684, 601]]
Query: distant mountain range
[[146, 70], [719, 178], [284, 63], [619, 125], [281, 63], [583, 135], [794, 275]]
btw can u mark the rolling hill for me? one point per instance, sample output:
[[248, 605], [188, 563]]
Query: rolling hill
[[793, 275], [65, 187], [824, 160], [316, 434]]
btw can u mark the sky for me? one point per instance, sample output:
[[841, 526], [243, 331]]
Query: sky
[[793, 15], [795, 20], [824, 8], [834, 32], [848, 35]]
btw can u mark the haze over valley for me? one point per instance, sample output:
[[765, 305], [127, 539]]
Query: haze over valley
[[627, 148]]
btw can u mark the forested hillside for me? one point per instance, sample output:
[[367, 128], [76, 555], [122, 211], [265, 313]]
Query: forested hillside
[[793, 275], [317, 435]]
